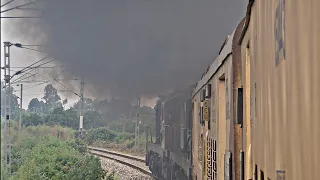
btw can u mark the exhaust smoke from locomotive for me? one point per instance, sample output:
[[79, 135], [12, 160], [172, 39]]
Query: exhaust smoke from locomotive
[[122, 48]]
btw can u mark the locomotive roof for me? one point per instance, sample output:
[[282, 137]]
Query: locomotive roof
[[224, 53], [185, 92]]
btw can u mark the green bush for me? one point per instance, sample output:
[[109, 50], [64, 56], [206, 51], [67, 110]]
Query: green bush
[[79, 145], [58, 131], [105, 134], [4, 171], [52, 158], [110, 176], [21, 149], [129, 144]]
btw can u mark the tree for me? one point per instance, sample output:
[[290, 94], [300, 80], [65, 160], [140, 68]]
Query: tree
[[51, 97], [32, 120], [93, 119], [87, 104], [34, 105], [59, 116]]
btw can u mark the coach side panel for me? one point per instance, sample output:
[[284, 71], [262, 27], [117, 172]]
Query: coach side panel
[[281, 56]]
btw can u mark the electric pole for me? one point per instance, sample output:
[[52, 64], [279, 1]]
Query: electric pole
[[124, 121], [20, 121], [137, 122], [7, 103], [81, 107]]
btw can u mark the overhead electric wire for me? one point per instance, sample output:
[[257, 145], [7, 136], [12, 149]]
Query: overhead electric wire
[[30, 9], [33, 3], [31, 45], [35, 85], [17, 7], [17, 71], [67, 87], [24, 78], [21, 71], [30, 81], [35, 67], [44, 81], [7, 3], [30, 71], [47, 80], [32, 49], [20, 17]]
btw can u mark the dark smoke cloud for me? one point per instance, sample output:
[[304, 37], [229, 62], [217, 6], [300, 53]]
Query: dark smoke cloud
[[122, 47]]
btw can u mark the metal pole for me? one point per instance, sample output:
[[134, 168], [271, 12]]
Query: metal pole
[[124, 124], [7, 100], [137, 123], [81, 107], [20, 122]]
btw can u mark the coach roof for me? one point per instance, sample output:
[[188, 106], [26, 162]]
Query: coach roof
[[225, 52]]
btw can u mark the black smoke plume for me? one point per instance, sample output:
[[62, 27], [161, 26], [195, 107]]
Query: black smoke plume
[[125, 47]]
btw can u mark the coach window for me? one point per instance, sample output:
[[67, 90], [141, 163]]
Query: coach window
[[213, 108], [208, 97], [227, 99], [209, 119]]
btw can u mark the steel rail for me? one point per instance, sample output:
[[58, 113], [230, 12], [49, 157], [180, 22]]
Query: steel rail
[[118, 154], [104, 153]]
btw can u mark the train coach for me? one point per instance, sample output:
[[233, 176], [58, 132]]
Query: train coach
[[256, 107], [253, 114], [216, 126], [280, 79]]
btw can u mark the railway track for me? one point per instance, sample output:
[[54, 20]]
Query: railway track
[[134, 162]]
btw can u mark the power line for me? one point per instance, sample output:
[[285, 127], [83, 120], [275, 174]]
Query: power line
[[17, 7], [21, 71], [30, 82], [23, 78], [33, 49], [7, 3], [36, 85], [38, 67], [30, 9], [33, 3], [19, 45], [19, 79], [46, 80], [29, 70], [66, 87], [30, 45], [20, 17]]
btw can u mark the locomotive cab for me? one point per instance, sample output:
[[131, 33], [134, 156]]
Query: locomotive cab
[[169, 157]]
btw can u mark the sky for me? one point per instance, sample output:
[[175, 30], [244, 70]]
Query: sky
[[121, 48]]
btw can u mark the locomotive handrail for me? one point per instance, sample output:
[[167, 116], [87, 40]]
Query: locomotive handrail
[[187, 145], [147, 134]]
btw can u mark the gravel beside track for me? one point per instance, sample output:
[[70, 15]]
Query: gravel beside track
[[124, 166]]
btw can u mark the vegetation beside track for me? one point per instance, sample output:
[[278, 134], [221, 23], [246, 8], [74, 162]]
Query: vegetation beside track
[[45, 152], [123, 142]]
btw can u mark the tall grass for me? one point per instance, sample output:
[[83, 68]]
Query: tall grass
[[43, 152]]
